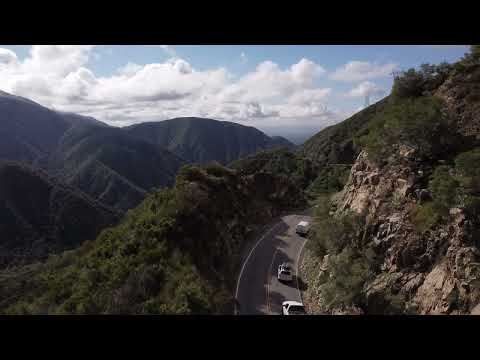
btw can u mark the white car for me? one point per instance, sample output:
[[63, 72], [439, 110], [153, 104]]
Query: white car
[[293, 308], [285, 272], [302, 228]]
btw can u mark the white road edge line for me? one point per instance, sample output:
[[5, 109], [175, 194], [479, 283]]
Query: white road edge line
[[250, 254], [298, 273]]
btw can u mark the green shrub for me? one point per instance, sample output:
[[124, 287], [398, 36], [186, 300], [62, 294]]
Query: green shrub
[[349, 271], [468, 167], [329, 180], [331, 234], [408, 83], [443, 187], [425, 216], [218, 170]]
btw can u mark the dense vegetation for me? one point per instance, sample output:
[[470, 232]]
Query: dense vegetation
[[351, 260], [415, 122], [280, 162], [174, 253], [450, 186]]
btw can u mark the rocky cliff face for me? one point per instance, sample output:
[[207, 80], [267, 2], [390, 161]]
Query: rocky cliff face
[[435, 272], [415, 202]]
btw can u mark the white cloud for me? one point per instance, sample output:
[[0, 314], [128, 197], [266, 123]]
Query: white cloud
[[365, 88], [269, 82], [362, 70], [7, 57], [310, 96], [59, 77], [129, 69], [56, 59]]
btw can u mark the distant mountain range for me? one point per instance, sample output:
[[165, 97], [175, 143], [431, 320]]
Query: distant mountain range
[[118, 166], [199, 140]]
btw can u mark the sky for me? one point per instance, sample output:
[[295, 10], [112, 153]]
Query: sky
[[287, 90]]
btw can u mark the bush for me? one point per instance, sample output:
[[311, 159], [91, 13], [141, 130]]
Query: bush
[[349, 271], [408, 83], [330, 179], [468, 173], [414, 83], [331, 234], [443, 187], [425, 217], [218, 170], [468, 166]]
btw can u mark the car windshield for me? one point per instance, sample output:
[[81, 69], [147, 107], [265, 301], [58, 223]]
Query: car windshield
[[285, 272], [296, 310]]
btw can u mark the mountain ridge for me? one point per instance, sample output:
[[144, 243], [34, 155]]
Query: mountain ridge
[[200, 140]]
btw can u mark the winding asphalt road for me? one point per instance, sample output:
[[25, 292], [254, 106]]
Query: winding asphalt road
[[258, 290]]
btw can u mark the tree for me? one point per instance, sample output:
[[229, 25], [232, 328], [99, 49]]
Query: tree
[[475, 51], [408, 84]]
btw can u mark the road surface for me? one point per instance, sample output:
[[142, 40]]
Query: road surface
[[258, 291]]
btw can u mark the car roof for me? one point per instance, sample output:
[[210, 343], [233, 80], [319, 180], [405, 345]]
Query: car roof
[[295, 303], [303, 223]]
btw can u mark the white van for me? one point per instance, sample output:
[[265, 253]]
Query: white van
[[302, 228]]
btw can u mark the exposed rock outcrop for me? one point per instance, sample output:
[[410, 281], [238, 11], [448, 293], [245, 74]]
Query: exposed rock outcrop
[[435, 272]]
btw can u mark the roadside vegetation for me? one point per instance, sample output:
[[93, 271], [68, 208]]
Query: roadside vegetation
[[339, 240]]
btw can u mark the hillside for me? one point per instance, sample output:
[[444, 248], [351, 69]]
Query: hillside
[[40, 216], [104, 162], [111, 166], [321, 165], [336, 143], [199, 140], [402, 235], [30, 132], [173, 254]]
